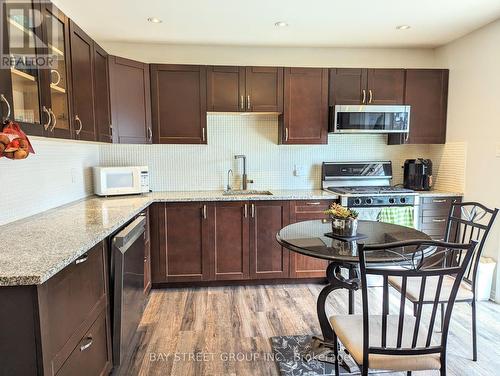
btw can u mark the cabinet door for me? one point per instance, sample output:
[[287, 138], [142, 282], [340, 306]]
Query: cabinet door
[[348, 86], [82, 72], [183, 242], [302, 266], [226, 89], [386, 86], [264, 89], [101, 95], [130, 101], [20, 86], [56, 81], [179, 104], [267, 258], [305, 116], [427, 94], [230, 243]]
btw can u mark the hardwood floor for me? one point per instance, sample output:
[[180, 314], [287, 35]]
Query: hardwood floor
[[226, 331]]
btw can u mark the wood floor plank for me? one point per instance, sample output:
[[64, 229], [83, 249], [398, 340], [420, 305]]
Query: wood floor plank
[[215, 331]]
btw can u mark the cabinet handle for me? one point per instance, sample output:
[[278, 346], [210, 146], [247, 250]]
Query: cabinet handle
[[313, 203], [81, 259], [363, 100], [150, 134], [286, 134], [371, 96], [204, 211], [4, 100], [407, 137], [441, 220], [440, 201], [248, 103], [77, 118], [46, 126], [245, 211], [242, 102], [54, 122], [253, 210], [88, 344], [203, 134]]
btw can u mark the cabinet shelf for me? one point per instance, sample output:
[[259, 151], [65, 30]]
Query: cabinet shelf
[[58, 89], [23, 75]]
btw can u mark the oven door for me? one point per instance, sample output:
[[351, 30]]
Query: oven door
[[371, 119]]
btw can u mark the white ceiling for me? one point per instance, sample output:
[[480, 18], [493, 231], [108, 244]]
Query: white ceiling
[[327, 23]]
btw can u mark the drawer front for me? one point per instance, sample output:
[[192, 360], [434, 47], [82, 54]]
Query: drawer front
[[437, 206], [90, 356], [309, 209], [74, 296]]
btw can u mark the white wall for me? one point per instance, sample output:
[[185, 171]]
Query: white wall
[[474, 116], [58, 173], [274, 56]]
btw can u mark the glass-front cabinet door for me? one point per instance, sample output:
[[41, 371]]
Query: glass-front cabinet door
[[20, 75], [57, 87]]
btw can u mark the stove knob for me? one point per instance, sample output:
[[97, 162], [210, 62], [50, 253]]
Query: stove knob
[[402, 200], [392, 200], [357, 201], [369, 201]]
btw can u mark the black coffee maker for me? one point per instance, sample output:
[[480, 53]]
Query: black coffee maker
[[418, 174]]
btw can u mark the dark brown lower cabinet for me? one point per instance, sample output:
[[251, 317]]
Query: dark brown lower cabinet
[[434, 213], [302, 266], [147, 253], [229, 241], [180, 240], [61, 326], [267, 258]]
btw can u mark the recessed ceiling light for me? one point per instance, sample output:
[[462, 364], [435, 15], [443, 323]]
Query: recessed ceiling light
[[281, 24], [403, 27], [154, 20]]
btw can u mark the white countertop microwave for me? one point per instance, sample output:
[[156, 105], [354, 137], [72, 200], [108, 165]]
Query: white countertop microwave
[[113, 181]]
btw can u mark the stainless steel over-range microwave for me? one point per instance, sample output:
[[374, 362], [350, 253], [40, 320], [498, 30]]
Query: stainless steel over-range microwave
[[369, 119]]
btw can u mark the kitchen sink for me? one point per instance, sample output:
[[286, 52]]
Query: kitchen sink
[[247, 192]]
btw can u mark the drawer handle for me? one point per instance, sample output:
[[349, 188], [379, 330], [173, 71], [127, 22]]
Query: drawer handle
[[438, 201], [441, 220], [88, 344], [81, 259], [313, 203]]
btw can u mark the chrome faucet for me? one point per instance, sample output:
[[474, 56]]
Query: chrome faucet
[[229, 176], [245, 181]]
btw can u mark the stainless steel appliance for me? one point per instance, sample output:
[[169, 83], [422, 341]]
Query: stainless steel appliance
[[418, 174], [370, 119], [366, 187], [127, 280], [112, 181]]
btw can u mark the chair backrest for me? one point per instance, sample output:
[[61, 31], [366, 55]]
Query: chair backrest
[[418, 261], [469, 221]]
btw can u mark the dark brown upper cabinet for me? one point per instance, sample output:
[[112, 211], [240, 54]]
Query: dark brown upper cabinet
[[179, 104], [427, 94], [305, 111], [244, 89], [101, 95], [366, 86], [130, 93], [82, 69]]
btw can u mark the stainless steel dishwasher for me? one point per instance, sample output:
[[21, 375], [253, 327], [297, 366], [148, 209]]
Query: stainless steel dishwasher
[[127, 277]]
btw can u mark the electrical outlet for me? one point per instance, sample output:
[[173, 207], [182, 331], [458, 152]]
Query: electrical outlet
[[299, 170], [74, 176]]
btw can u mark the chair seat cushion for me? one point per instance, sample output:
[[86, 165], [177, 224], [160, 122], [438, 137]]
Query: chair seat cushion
[[413, 289], [349, 329]]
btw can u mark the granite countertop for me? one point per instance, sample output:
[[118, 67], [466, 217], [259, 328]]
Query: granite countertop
[[36, 248], [439, 193]]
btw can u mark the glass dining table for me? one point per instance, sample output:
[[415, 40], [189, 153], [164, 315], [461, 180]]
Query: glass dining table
[[314, 239]]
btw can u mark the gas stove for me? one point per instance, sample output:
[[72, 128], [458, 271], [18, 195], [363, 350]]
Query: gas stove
[[365, 184]]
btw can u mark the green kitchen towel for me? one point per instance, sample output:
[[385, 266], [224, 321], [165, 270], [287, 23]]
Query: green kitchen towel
[[400, 215]]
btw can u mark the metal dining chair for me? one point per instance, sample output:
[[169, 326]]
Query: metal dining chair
[[402, 342], [466, 221]]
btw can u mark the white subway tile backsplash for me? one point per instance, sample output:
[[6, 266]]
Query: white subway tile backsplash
[[60, 171]]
